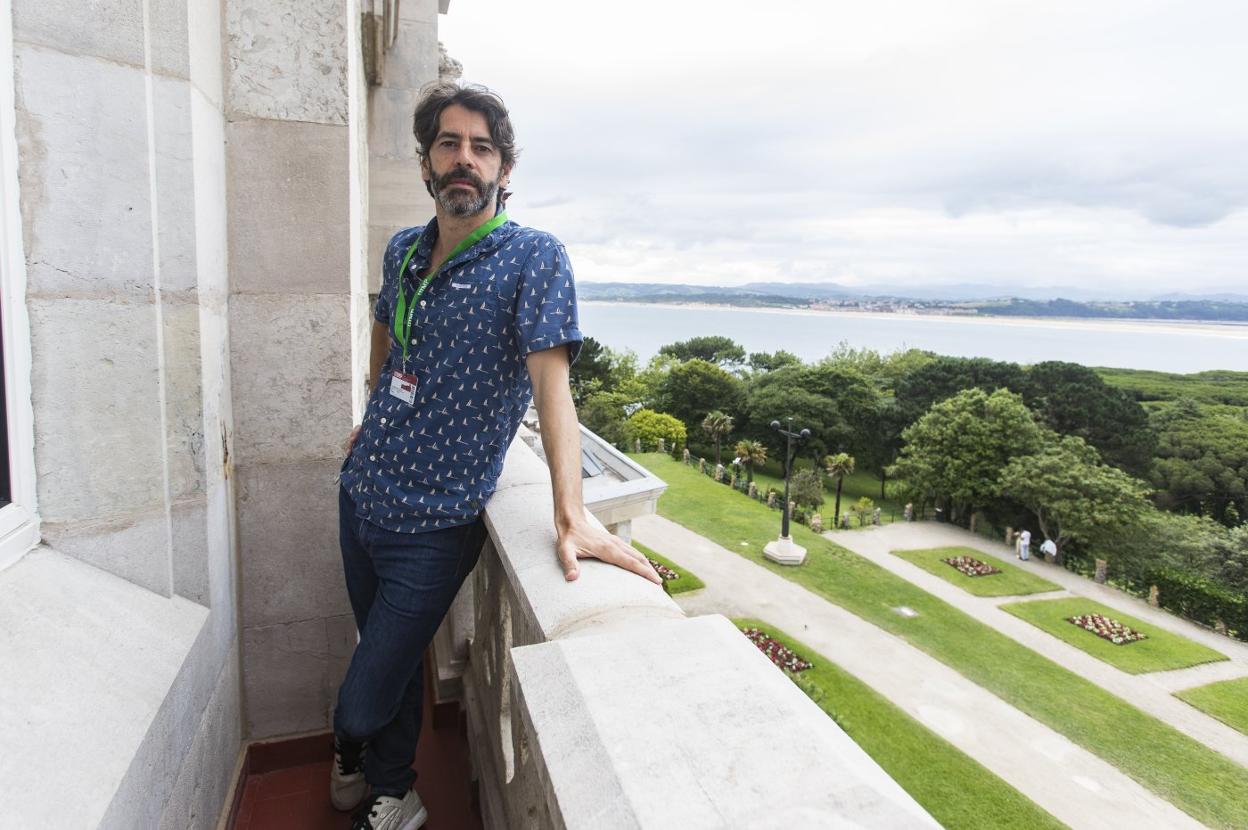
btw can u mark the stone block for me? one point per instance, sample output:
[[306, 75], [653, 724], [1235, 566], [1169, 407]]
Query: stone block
[[287, 59], [290, 566], [419, 10], [378, 238], [111, 29], [390, 123], [82, 133], [290, 678], [189, 550], [94, 379], [175, 183], [134, 547], [750, 745], [169, 34], [288, 219], [183, 391], [396, 193], [291, 375], [412, 61]]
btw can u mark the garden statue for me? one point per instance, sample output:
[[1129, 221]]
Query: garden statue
[[816, 523], [845, 521], [771, 499], [753, 490], [701, 465], [684, 455], [637, 444], [1154, 596], [875, 518], [662, 445], [908, 513], [1102, 571], [792, 504]]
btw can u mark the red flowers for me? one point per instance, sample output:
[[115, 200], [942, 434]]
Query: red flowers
[[667, 573], [783, 657], [971, 566], [1107, 628]]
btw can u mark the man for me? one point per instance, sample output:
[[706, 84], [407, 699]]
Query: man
[[1024, 545], [1049, 550], [476, 314]]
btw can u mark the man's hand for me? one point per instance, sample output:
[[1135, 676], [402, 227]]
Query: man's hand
[[350, 445], [585, 541]]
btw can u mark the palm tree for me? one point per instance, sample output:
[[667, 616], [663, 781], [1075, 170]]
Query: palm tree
[[751, 453], [717, 425], [838, 466]]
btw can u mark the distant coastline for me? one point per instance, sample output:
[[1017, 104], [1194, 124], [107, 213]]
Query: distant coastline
[[1229, 329]]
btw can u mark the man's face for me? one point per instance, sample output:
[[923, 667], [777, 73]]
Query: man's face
[[464, 167]]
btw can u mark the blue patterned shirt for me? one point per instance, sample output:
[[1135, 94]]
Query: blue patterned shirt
[[435, 462]]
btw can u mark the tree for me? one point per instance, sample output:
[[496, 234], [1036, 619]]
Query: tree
[[863, 510], [959, 448], [942, 378], [717, 349], [650, 426], [1202, 462], [751, 453], [838, 466], [1073, 400], [806, 488], [605, 413], [717, 425], [1073, 495], [770, 361], [691, 389], [599, 368]]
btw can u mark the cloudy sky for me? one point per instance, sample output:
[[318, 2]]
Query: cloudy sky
[[1101, 145]]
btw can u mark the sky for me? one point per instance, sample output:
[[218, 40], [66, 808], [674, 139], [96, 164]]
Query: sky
[[1102, 146]]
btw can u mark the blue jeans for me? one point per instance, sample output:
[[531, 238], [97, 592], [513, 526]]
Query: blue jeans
[[401, 586]]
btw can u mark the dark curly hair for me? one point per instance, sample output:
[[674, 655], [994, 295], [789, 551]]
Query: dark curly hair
[[473, 97]]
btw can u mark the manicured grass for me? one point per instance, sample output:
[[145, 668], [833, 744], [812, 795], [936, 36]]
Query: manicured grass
[[1010, 582], [1207, 785], [861, 483], [1161, 651], [954, 788], [1227, 701], [686, 582]]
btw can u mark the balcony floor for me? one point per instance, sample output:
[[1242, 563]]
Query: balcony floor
[[297, 797]]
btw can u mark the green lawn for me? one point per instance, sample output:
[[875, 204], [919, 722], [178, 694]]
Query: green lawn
[[861, 483], [1161, 651], [1012, 581], [1227, 701], [1210, 787], [685, 582], [955, 789]]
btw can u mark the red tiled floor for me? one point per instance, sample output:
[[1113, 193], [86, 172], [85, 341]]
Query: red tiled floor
[[297, 797]]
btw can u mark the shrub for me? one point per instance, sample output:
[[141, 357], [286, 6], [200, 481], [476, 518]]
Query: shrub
[[1201, 600], [806, 488], [649, 426]]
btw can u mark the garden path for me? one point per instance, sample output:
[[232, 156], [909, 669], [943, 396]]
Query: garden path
[[1152, 693], [1072, 784]]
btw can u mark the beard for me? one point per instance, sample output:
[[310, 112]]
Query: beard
[[460, 202]]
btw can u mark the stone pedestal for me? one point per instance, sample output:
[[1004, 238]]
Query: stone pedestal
[[785, 551]]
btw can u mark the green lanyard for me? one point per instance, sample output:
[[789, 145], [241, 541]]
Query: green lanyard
[[405, 312]]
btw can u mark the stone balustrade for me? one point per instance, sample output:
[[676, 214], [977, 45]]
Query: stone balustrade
[[599, 704]]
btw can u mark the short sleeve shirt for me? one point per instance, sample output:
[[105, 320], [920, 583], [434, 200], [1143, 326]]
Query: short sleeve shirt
[[434, 462]]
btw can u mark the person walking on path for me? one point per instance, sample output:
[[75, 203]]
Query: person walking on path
[[1024, 545], [476, 316]]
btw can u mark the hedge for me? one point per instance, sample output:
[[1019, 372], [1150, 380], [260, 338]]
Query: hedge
[[1201, 600]]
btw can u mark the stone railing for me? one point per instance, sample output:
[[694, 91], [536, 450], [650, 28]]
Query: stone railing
[[599, 704]]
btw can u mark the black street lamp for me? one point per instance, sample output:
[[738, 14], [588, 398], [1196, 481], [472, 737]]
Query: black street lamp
[[789, 436]]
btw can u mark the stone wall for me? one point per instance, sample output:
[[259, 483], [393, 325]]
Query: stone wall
[[597, 704], [121, 160]]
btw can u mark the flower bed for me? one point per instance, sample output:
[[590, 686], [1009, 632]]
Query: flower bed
[[667, 573], [971, 566], [777, 653], [1106, 628]]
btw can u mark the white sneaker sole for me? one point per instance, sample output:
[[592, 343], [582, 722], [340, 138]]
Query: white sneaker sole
[[417, 821]]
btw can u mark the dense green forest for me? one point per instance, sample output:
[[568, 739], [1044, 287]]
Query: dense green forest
[[1144, 469]]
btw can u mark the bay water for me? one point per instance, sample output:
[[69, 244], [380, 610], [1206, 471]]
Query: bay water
[[1130, 344]]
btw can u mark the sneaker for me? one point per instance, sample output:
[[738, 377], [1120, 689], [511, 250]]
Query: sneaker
[[385, 812], [346, 776]]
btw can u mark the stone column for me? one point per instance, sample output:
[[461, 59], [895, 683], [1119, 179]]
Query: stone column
[[290, 242]]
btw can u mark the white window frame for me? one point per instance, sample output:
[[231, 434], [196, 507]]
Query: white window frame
[[19, 520]]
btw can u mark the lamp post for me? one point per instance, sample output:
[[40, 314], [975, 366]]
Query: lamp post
[[783, 550]]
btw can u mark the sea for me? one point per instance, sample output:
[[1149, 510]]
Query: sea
[[1166, 346]]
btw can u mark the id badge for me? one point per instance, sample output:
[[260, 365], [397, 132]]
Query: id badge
[[403, 387]]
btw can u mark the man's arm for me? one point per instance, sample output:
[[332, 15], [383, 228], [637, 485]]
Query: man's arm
[[561, 439], [378, 349]]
